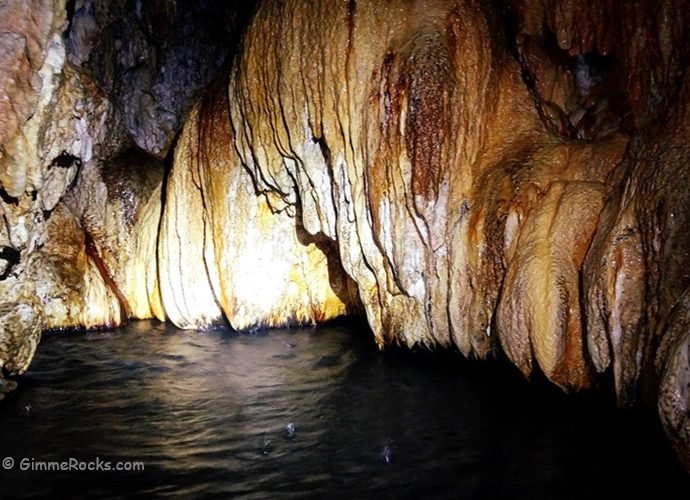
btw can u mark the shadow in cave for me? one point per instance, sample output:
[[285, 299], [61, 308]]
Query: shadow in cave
[[436, 425]]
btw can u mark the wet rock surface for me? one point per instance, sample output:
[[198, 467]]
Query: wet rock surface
[[153, 57], [225, 252], [489, 189], [75, 77]]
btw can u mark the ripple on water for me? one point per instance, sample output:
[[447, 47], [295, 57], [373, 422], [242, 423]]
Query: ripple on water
[[321, 411]]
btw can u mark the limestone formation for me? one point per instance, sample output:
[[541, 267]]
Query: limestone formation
[[500, 177], [477, 193], [225, 252], [117, 203], [420, 195], [73, 249], [152, 57], [52, 120]]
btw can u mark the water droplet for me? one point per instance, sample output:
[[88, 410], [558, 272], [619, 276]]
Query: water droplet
[[290, 431], [267, 446], [386, 454]]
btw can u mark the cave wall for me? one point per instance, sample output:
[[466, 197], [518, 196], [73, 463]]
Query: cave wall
[[152, 57], [480, 194], [85, 88], [504, 177], [52, 121]]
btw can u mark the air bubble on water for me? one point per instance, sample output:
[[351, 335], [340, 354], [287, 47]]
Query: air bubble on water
[[386, 454], [267, 446], [290, 431]]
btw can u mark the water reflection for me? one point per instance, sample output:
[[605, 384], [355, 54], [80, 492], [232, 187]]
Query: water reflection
[[318, 412]]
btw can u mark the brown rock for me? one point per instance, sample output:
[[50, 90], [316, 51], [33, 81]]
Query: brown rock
[[224, 251], [455, 189], [31, 59], [118, 205]]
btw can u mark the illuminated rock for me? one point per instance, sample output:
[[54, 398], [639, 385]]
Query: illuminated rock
[[225, 252], [421, 194], [51, 122], [118, 204], [58, 129], [471, 205]]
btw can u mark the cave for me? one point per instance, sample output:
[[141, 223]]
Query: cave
[[346, 248]]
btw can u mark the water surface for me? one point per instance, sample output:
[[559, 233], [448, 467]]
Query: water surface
[[313, 413]]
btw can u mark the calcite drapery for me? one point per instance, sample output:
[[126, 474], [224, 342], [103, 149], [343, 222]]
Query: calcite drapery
[[224, 251], [430, 206], [463, 212]]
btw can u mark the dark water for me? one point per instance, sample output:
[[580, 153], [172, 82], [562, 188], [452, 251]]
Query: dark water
[[313, 413]]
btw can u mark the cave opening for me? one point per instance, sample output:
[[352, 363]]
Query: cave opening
[[474, 186]]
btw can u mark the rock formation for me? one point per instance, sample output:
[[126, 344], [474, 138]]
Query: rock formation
[[152, 57], [224, 251], [506, 177], [51, 122], [82, 83]]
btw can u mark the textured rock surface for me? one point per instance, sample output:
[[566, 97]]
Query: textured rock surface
[[645, 39], [117, 203], [153, 57], [80, 217], [637, 276], [52, 122], [421, 195], [224, 251], [460, 203]]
